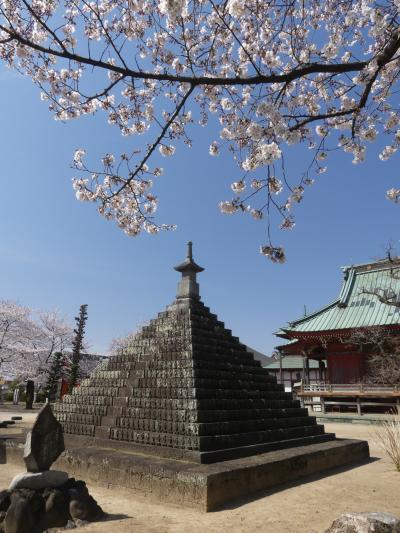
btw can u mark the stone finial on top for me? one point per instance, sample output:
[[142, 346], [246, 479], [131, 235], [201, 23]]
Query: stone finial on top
[[44, 443], [188, 286]]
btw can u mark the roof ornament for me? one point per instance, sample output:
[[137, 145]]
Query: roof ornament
[[188, 286]]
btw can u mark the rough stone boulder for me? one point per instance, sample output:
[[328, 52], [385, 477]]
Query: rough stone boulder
[[37, 511], [44, 443], [26, 507], [82, 506], [365, 523]]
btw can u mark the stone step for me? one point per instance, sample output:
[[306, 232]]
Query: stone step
[[229, 365], [80, 418], [241, 414], [95, 381], [209, 393], [59, 408], [241, 426], [215, 443], [201, 353], [197, 365], [181, 374], [205, 353], [109, 374], [256, 378], [208, 428], [201, 383], [248, 393], [88, 400], [187, 415], [246, 403], [215, 456], [150, 438], [221, 339], [104, 392], [187, 373], [79, 429], [204, 404]]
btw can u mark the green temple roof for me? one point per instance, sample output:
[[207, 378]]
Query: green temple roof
[[361, 302], [293, 362]]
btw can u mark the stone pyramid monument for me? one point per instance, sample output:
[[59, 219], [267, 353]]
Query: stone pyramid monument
[[187, 388]]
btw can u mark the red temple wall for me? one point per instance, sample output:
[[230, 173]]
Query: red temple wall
[[345, 367]]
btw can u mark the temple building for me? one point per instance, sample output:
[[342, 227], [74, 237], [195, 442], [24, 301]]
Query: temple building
[[289, 370], [368, 301]]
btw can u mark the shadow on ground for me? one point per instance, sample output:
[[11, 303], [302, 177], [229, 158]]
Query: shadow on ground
[[302, 481], [111, 517]]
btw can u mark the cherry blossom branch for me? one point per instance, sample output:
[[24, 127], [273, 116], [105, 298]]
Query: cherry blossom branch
[[267, 70], [296, 73], [157, 142]]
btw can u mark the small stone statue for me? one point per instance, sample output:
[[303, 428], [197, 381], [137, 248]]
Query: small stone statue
[[30, 392], [16, 396]]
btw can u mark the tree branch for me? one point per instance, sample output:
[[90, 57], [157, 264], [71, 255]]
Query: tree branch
[[296, 73]]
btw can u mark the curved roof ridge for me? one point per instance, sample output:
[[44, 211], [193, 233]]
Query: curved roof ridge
[[379, 264], [358, 304], [315, 313]]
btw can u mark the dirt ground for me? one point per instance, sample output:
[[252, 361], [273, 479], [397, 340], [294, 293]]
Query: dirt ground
[[307, 507]]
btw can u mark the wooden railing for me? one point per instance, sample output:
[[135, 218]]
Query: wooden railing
[[349, 387]]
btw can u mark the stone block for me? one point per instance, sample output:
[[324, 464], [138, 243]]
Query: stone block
[[38, 480]]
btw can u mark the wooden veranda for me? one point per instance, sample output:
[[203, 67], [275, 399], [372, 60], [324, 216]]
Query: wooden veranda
[[349, 395]]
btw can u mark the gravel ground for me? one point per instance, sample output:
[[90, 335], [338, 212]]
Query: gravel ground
[[307, 507]]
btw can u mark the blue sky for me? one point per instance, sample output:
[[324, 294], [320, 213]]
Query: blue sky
[[58, 253]]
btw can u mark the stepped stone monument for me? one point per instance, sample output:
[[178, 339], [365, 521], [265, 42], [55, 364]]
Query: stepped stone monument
[[180, 409]]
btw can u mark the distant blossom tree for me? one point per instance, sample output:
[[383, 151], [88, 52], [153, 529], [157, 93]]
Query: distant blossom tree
[[55, 333], [28, 340], [17, 332], [273, 73], [52, 334]]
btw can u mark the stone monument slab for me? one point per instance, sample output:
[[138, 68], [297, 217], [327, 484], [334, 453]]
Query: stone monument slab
[[44, 443]]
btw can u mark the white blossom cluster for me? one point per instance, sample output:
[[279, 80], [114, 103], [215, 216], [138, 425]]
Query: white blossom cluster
[[273, 74], [133, 210], [393, 195]]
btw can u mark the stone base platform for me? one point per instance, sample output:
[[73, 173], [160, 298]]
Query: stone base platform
[[195, 456], [204, 486]]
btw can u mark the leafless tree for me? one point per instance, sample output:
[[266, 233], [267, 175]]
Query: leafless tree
[[382, 350]]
